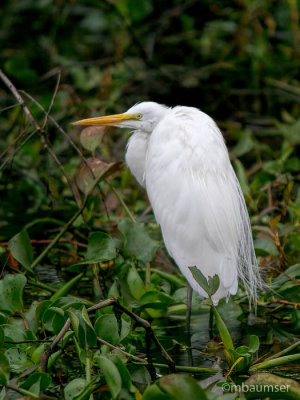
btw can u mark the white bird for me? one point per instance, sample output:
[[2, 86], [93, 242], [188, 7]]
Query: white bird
[[179, 156]]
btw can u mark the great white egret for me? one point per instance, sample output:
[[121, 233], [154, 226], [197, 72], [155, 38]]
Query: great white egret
[[179, 156]]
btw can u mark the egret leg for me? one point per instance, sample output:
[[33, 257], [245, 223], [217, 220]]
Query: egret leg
[[211, 323], [188, 323], [188, 309]]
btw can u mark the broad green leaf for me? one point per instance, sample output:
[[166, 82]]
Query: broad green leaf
[[124, 373], [111, 374], [83, 328], [106, 327], [200, 279], [76, 388], [4, 369], [153, 392], [54, 319], [254, 344], [180, 386], [135, 283], [37, 382], [264, 247], [213, 283], [11, 292], [21, 249], [101, 247], [17, 359], [137, 241]]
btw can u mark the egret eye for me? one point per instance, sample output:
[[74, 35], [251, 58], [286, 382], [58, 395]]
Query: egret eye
[[139, 116]]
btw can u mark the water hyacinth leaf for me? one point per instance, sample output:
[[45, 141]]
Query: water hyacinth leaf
[[137, 241], [153, 392], [264, 247], [11, 292], [200, 279], [124, 373], [4, 370], [253, 344], [83, 328], [21, 249], [106, 327], [54, 319], [213, 283], [178, 387], [85, 179], [91, 137], [111, 374], [135, 283], [77, 389], [101, 247], [37, 382], [17, 359]]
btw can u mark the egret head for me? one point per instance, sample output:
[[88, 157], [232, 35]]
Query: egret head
[[142, 116]]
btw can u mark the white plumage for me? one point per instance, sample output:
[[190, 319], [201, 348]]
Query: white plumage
[[179, 155]]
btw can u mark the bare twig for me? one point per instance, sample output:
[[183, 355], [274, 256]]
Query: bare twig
[[59, 128], [38, 129], [122, 351]]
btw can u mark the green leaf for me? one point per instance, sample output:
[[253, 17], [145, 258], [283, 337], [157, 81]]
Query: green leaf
[[200, 279], [21, 249], [254, 344], [37, 382], [4, 370], [224, 333], [101, 247], [111, 374], [213, 283], [77, 389], [83, 328], [11, 292], [54, 319], [17, 359], [135, 283], [137, 241], [175, 387], [264, 247], [65, 289], [106, 327]]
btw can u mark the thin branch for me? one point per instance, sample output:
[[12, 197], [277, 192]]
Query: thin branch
[[39, 129], [141, 360], [59, 128]]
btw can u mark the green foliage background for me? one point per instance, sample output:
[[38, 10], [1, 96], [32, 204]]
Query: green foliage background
[[238, 61]]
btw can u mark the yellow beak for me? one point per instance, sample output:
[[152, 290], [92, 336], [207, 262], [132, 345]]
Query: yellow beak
[[114, 120]]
